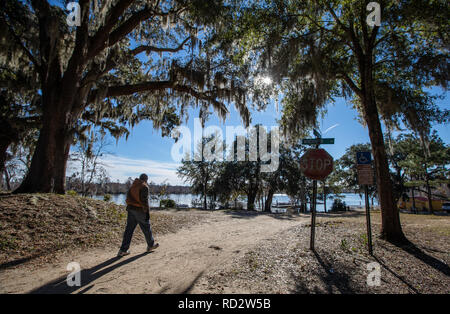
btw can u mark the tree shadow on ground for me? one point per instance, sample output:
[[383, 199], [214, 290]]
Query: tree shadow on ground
[[60, 286], [23, 260], [431, 261], [335, 276], [19, 261], [344, 214], [396, 275], [243, 214], [192, 284]]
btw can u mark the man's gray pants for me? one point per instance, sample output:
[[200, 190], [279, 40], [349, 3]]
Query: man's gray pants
[[137, 217]]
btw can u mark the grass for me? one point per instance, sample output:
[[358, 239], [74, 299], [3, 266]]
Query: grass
[[440, 230], [252, 261], [7, 243], [344, 245]]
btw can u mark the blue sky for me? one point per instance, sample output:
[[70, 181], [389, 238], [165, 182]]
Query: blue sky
[[147, 151]]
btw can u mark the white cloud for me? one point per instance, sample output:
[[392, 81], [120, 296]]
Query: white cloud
[[120, 168]]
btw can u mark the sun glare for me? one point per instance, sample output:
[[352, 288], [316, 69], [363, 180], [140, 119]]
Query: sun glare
[[266, 80]]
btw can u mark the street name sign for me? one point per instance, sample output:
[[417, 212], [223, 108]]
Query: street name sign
[[317, 141]]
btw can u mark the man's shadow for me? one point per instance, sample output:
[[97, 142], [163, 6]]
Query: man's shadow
[[60, 286]]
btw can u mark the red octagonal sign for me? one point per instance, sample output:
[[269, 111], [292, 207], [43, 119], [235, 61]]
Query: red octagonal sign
[[316, 164]]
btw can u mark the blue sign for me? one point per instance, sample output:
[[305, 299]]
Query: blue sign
[[363, 158]]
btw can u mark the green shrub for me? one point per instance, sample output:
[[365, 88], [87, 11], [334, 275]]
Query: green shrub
[[72, 193], [344, 245], [107, 197], [338, 205], [167, 203]]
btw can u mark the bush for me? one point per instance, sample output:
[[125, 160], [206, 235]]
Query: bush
[[338, 205], [167, 203], [72, 193], [107, 197]]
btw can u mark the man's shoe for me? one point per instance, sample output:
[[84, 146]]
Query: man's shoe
[[151, 248], [122, 253]]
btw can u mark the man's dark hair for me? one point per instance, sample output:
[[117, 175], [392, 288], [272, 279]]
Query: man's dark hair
[[143, 177]]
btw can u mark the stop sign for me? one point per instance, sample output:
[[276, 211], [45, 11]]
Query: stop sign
[[316, 164]]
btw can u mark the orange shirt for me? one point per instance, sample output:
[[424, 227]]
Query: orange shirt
[[135, 194]]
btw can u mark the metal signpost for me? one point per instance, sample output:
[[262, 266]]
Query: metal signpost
[[316, 164], [365, 177]]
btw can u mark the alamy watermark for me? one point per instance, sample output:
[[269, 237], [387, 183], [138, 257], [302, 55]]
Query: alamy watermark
[[374, 17], [74, 278], [246, 148], [374, 276], [74, 17]]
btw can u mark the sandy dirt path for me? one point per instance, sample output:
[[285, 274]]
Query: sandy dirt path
[[182, 258]]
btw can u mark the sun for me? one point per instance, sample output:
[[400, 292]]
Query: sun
[[267, 80]]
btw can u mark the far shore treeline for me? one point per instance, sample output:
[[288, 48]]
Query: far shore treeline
[[122, 187]]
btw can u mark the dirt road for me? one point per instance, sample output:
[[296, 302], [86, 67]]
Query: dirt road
[[174, 267]]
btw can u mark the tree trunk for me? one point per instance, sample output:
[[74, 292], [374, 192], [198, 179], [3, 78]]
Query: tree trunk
[[61, 105], [251, 197], [7, 180], [391, 229], [268, 203], [430, 201], [61, 164], [205, 201], [4, 144], [48, 165]]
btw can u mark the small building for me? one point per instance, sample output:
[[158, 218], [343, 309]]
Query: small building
[[421, 203]]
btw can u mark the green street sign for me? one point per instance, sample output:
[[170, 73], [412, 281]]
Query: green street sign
[[327, 140], [317, 141]]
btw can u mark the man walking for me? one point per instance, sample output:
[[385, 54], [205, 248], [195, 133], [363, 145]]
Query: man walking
[[138, 213]]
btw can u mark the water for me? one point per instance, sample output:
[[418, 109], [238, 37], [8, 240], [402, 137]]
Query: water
[[178, 198], [350, 199]]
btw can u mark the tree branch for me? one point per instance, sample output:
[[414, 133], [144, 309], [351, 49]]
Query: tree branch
[[124, 90], [204, 96], [350, 83], [105, 39], [350, 32], [23, 48], [140, 49], [99, 39]]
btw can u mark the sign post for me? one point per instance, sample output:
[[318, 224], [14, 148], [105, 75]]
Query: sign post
[[313, 216], [316, 164], [365, 177]]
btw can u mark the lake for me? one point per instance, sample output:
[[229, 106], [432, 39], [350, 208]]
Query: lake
[[351, 199]]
